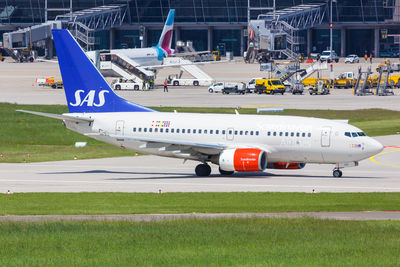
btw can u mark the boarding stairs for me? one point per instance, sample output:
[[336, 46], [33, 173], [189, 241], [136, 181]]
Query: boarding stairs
[[362, 89], [383, 89], [287, 74], [123, 66], [187, 66]]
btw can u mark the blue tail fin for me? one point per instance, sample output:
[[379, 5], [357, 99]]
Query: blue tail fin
[[85, 88]]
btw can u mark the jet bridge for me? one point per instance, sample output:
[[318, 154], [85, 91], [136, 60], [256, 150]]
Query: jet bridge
[[82, 24], [277, 31]]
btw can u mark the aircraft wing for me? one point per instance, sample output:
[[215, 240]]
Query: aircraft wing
[[181, 64], [185, 54], [57, 116], [164, 141], [213, 148]]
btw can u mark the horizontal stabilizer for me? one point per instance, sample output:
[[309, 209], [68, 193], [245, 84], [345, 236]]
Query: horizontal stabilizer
[[57, 116]]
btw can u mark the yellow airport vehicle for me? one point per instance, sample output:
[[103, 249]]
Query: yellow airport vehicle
[[386, 62], [269, 86], [394, 80], [216, 55], [314, 81], [1, 57], [345, 80], [322, 88]]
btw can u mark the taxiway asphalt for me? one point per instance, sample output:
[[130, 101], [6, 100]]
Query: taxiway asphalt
[[151, 173]]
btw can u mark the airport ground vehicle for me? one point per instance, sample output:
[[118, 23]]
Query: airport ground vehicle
[[251, 85], [328, 56], [345, 80], [174, 80], [1, 57], [352, 59], [50, 82], [125, 84], [322, 88], [313, 81], [297, 89], [234, 142], [269, 86], [216, 55], [227, 87]]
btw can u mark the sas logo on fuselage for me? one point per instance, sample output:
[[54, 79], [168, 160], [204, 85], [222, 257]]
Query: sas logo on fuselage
[[89, 99]]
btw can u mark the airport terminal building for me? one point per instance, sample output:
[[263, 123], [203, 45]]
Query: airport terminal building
[[359, 25]]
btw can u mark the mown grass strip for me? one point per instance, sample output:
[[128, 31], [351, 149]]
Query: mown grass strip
[[223, 242], [145, 203], [29, 138]]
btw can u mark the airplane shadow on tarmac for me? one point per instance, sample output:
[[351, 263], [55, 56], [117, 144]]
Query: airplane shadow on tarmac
[[250, 175]]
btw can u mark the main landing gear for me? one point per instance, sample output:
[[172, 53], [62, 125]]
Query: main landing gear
[[337, 173], [203, 170]]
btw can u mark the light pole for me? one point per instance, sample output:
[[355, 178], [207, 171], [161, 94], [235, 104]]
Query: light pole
[[331, 41]]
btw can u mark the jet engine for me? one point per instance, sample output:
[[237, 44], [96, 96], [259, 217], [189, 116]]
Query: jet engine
[[285, 165], [243, 160]]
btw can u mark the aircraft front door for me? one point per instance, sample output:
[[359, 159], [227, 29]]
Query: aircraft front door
[[230, 134], [326, 136], [119, 128]]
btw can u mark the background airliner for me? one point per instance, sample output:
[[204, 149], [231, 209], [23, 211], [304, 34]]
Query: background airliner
[[153, 56], [241, 143]]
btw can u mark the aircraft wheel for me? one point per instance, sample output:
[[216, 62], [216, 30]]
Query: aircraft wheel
[[337, 173], [203, 170], [118, 87], [222, 172]]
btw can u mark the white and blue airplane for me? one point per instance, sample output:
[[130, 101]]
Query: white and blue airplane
[[237, 143]]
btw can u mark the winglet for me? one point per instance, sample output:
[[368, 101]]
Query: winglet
[[85, 88]]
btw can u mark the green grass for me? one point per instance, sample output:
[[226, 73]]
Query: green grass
[[222, 242], [45, 139], [144, 203]]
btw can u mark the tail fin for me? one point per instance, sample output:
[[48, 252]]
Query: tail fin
[[166, 35], [85, 88]]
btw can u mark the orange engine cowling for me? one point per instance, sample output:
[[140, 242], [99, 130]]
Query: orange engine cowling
[[286, 165], [243, 160]]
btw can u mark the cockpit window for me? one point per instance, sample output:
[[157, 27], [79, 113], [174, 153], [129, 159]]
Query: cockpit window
[[347, 134], [361, 134], [354, 134]]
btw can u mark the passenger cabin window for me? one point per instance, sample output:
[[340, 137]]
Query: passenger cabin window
[[223, 131], [177, 130], [303, 134], [144, 129], [257, 132], [211, 131], [205, 131], [156, 130], [274, 133], [150, 129], [280, 133], [194, 131], [236, 132], [134, 129], [183, 130], [161, 130], [286, 134], [140, 129], [199, 131], [251, 132], [216, 131], [188, 131], [269, 133], [241, 132], [172, 130], [292, 134], [298, 134], [309, 134]]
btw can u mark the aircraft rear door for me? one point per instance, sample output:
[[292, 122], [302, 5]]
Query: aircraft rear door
[[119, 128], [326, 136]]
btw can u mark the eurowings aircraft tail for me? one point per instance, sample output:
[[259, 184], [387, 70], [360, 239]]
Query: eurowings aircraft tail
[[166, 35], [85, 88]]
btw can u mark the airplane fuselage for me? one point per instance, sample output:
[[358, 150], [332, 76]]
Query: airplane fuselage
[[143, 56], [284, 138]]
